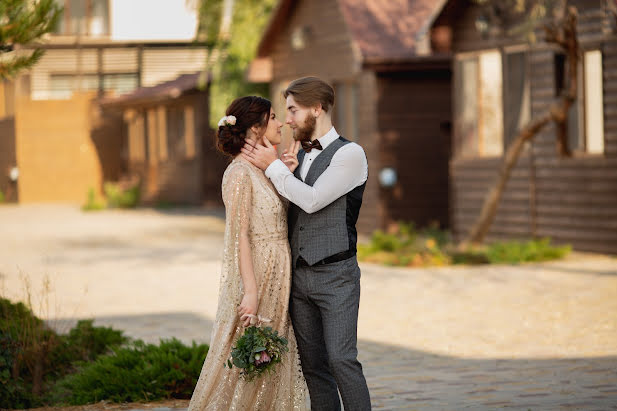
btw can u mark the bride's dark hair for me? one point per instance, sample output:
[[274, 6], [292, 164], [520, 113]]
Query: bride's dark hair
[[248, 111]]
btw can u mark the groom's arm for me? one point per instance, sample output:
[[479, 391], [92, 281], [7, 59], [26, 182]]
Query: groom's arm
[[347, 170]]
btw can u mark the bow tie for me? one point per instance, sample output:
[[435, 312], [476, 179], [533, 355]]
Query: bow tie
[[309, 145]]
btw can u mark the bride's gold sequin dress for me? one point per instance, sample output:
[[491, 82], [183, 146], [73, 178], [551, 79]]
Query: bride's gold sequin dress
[[250, 199]]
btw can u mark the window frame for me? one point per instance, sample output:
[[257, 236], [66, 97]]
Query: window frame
[[477, 153], [579, 107], [100, 82], [66, 20], [513, 49]]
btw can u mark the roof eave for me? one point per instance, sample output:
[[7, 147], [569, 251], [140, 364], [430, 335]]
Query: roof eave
[[409, 63]]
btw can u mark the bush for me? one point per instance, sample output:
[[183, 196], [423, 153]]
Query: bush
[[403, 245], [119, 197], [519, 252], [33, 356], [2, 198], [38, 366], [24, 344], [92, 204], [84, 342], [140, 372]]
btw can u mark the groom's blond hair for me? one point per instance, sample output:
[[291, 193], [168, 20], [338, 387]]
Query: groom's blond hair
[[310, 92]]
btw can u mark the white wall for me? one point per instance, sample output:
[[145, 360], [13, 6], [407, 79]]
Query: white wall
[[153, 19]]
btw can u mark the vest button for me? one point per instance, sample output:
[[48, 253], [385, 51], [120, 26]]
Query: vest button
[[302, 228], [301, 248]]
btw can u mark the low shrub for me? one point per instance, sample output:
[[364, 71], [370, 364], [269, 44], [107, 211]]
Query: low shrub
[[40, 367], [520, 252], [403, 245], [33, 356], [139, 372], [119, 196], [92, 204]]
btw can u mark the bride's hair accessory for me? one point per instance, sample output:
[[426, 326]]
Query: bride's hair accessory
[[227, 121]]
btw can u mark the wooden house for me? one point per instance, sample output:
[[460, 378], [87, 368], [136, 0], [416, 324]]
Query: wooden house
[[500, 83], [168, 143], [55, 142], [392, 88]]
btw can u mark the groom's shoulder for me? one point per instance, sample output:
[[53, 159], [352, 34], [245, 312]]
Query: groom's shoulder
[[351, 146]]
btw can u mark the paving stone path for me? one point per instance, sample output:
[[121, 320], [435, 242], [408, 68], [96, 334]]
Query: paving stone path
[[530, 337]]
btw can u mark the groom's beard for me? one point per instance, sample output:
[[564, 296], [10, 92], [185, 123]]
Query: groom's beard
[[305, 132]]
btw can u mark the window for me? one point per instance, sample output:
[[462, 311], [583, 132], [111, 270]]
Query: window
[[62, 86], [479, 105], [586, 115], [517, 100], [594, 102], [84, 18], [120, 83]]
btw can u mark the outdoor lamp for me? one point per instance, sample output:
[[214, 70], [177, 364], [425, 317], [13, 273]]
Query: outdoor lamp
[[481, 24], [387, 177], [299, 37], [14, 174]]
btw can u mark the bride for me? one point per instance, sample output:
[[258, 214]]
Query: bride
[[256, 272]]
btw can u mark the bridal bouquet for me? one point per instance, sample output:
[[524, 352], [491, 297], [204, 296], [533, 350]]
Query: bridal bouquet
[[258, 350]]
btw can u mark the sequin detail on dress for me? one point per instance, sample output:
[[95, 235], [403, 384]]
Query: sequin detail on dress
[[251, 200]]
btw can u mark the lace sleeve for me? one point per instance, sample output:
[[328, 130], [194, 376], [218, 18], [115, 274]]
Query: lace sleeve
[[237, 197]]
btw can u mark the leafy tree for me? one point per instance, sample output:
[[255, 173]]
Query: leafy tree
[[231, 30], [24, 22], [557, 19]]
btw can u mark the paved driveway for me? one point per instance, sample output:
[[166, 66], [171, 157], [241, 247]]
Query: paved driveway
[[540, 337]]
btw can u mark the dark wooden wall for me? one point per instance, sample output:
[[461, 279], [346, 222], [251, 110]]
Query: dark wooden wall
[[8, 158], [328, 52], [573, 200], [413, 115], [181, 179]]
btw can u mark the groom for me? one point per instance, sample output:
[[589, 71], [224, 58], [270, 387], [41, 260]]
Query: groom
[[326, 194]]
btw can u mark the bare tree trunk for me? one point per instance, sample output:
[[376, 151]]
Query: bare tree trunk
[[565, 36], [489, 209]]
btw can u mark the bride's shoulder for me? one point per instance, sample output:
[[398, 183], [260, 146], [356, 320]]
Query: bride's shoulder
[[237, 170]]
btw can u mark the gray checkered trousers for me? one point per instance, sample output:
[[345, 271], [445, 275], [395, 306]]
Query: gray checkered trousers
[[325, 297]]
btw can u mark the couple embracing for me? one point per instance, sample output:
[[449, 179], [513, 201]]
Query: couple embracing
[[289, 255]]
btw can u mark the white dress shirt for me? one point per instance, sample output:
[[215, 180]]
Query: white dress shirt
[[347, 170]]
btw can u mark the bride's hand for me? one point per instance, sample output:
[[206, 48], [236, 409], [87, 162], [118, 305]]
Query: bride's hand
[[290, 156], [246, 307]]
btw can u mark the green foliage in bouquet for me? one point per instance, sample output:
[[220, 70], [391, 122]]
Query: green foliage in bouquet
[[138, 372], [257, 351]]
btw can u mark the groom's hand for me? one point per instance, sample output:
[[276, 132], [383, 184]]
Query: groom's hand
[[260, 155]]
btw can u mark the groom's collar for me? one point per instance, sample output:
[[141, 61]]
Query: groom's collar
[[328, 138]]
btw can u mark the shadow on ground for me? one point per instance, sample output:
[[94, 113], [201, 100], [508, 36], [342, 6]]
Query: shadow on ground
[[406, 379]]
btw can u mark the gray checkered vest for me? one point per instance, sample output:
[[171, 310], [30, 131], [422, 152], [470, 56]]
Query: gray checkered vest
[[330, 230]]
